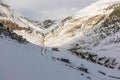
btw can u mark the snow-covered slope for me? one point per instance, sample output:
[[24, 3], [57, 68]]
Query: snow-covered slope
[[20, 24], [24, 61]]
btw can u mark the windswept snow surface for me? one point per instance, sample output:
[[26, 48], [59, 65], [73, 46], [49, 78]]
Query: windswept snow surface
[[25, 62], [31, 62]]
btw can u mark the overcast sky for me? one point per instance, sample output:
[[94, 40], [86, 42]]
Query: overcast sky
[[45, 9]]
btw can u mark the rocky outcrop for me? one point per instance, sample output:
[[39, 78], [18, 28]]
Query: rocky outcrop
[[104, 61], [6, 32]]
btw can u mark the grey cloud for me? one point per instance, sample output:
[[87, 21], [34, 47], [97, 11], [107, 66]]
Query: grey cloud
[[44, 9]]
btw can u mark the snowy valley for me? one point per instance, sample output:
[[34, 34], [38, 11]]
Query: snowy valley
[[85, 46]]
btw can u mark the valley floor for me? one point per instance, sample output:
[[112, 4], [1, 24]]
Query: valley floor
[[25, 62]]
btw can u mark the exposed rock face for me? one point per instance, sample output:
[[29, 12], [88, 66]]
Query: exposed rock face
[[6, 32]]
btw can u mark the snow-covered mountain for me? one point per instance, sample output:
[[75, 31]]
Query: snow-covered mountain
[[87, 42], [45, 24], [94, 29], [81, 24], [20, 24], [92, 34]]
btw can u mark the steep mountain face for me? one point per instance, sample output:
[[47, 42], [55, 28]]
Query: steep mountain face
[[82, 23], [92, 34], [7, 33], [20, 24], [93, 29]]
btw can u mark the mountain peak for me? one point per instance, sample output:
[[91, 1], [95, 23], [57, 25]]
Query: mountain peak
[[98, 8]]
